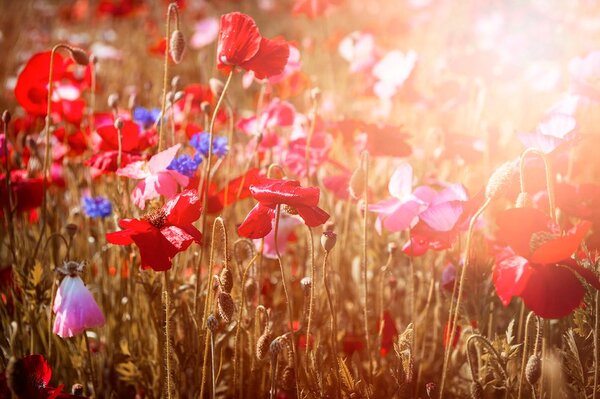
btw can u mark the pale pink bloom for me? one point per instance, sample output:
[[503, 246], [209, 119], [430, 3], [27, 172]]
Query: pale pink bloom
[[585, 76], [445, 208], [402, 210], [287, 224], [358, 48], [392, 71], [156, 179], [554, 130], [75, 308], [205, 32]]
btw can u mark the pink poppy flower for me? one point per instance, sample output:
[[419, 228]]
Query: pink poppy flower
[[392, 71], [584, 76], [553, 131], [75, 307], [402, 210], [205, 32], [358, 49], [156, 179]]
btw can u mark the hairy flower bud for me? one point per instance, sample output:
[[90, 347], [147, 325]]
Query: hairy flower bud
[[501, 180], [533, 370], [262, 345], [328, 240], [226, 279], [476, 390], [225, 306], [79, 56], [177, 46]]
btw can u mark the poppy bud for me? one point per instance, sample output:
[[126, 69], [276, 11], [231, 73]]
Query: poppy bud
[[533, 370], [216, 87], [391, 247], [226, 280], [329, 226], [119, 123], [6, 116], [250, 289], [328, 239], [113, 100], [315, 94], [175, 82], [524, 200], [77, 390], [205, 107], [225, 306], [212, 323], [357, 183], [178, 96], [132, 101], [501, 180], [306, 283], [177, 46], [431, 389], [262, 345], [276, 346], [288, 378], [476, 390], [79, 56], [71, 229]]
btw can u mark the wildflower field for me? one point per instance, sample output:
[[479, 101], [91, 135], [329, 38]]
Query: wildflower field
[[300, 199]]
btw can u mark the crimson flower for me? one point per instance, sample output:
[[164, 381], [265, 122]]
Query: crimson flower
[[240, 44], [537, 264], [162, 233], [273, 192], [27, 192]]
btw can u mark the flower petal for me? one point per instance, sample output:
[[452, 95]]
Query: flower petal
[[239, 40], [511, 273], [516, 226], [159, 162], [183, 209], [313, 215], [270, 59], [258, 222], [562, 247], [274, 191], [400, 185], [442, 217]]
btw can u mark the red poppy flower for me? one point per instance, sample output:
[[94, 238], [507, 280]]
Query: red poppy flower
[[388, 334], [27, 193], [537, 264], [273, 192], [163, 233], [31, 90], [240, 44], [384, 141]]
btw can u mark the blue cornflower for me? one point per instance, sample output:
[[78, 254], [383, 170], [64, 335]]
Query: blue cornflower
[[185, 164], [145, 117], [200, 141], [96, 207]]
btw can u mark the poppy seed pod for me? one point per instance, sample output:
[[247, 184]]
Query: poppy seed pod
[[6, 116], [226, 280], [205, 107], [533, 370], [226, 306], [262, 345], [306, 283], [177, 46], [357, 183], [212, 323], [79, 56], [119, 123], [328, 240], [501, 180]]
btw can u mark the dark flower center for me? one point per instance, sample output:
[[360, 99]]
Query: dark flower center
[[538, 239], [156, 218], [290, 210]]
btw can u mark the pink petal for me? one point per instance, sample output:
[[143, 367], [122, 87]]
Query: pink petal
[[404, 217], [75, 308], [425, 194], [454, 192], [442, 217], [400, 185], [160, 161], [134, 170]]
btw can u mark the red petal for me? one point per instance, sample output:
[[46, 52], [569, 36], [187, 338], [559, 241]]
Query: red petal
[[31, 89], [250, 178], [516, 225], [130, 137], [562, 247], [38, 370], [313, 215], [273, 191], [183, 209], [239, 40], [511, 273], [178, 237], [271, 58], [552, 291], [258, 223]]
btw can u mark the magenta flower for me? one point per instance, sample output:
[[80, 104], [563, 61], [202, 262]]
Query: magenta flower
[[156, 179], [75, 307], [402, 210]]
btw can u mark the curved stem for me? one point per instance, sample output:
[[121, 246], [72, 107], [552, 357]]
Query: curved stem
[[525, 349], [549, 178], [365, 166], [454, 320], [312, 290]]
